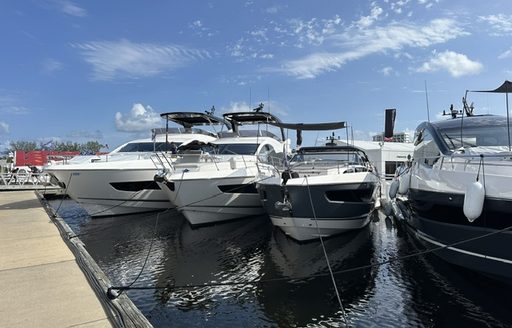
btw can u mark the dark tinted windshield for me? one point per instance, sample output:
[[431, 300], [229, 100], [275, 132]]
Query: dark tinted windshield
[[148, 147], [475, 136], [238, 149]]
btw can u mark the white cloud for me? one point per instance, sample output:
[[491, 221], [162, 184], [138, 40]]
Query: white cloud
[[51, 65], [296, 33], [125, 59], [366, 21], [70, 8], [237, 106], [427, 3], [139, 118], [274, 9], [386, 70], [10, 103], [4, 128], [312, 32], [363, 135], [502, 24], [356, 44], [506, 54], [398, 6], [84, 134], [456, 64], [268, 106], [242, 50], [199, 29]]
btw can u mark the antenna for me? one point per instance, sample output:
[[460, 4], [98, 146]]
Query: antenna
[[426, 98], [268, 102], [462, 117], [250, 97], [268, 99]]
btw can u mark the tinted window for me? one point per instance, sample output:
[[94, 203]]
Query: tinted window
[[476, 136], [147, 147], [237, 149]]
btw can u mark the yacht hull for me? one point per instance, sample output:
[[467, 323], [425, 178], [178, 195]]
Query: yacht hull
[[437, 220], [303, 229], [110, 192], [204, 201], [318, 210]]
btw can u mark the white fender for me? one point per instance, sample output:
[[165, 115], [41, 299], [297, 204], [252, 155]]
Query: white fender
[[405, 180], [474, 201], [393, 188], [232, 163]]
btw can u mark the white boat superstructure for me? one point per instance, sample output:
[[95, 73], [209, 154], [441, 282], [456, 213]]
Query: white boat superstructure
[[121, 182], [219, 184]]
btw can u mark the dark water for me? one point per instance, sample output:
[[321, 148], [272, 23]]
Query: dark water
[[294, 289]]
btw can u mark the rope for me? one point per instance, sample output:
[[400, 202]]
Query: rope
[[325, 254], [480, 164], [65, 192], [149, 251]]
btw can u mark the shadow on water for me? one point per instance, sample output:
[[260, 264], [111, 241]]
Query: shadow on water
[[419, 292]]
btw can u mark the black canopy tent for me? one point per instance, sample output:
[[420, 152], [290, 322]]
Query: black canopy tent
[[505, 88]]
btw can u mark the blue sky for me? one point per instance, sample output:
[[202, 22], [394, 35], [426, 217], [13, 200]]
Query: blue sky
[[104, 70]]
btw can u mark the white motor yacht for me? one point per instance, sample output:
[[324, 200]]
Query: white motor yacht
[[325, 190], [219, 184], [458, 191], [121, 182]]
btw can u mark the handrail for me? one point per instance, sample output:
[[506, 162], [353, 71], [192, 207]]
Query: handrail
[[23, 178]]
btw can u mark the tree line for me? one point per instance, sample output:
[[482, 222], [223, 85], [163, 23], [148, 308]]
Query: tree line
[[90, 147]]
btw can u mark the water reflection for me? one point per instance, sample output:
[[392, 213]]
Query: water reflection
[[301, 302], [231, 252], [419, 291], [441, 289]]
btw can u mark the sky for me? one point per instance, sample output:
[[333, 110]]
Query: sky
[[104, 70]]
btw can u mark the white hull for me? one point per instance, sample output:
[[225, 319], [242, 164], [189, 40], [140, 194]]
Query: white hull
[[213, 199], [303, 229], [96, 191], [202, 202], [207, 215]]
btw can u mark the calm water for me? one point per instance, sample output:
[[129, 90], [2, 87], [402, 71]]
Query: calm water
[[416, 292]]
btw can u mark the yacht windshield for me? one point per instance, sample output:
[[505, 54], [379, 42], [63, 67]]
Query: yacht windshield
[[482, 136], [336, 158], [237, 149], [148, 147]]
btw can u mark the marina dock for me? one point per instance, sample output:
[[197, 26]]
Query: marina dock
[[43, 282]]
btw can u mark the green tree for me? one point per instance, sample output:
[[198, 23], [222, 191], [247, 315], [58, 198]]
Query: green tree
[[90, 147], [22, 145]]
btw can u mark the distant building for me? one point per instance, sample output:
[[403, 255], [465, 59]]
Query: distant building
[[386, 156], [397, 137]]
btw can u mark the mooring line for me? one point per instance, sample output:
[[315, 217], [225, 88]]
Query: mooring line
[[325, 254]]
